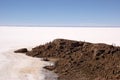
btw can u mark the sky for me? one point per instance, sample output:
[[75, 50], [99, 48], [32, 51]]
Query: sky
[[60, 12]]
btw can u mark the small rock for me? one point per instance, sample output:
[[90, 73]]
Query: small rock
[[99, 52], [23, 50], [46, 59], [75, 44], [49, 67]]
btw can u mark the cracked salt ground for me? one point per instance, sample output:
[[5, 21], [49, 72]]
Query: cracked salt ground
[[21, 67]]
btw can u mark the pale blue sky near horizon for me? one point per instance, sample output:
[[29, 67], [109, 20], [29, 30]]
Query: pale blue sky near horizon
[[60, 12]]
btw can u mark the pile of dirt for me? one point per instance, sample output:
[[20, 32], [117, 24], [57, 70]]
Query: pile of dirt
[[77, 60]]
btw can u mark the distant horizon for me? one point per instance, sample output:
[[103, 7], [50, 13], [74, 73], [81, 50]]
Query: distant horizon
[[55, 26]]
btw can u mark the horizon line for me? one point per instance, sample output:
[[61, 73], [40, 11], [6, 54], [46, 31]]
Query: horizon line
[[58, 26]]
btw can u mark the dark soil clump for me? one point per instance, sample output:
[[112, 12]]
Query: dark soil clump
[[81, 60]]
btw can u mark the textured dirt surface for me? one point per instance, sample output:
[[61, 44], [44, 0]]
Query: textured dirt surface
[[76, 60]]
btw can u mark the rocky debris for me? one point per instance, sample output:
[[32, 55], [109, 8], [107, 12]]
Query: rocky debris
[[45, 59], [79, 60], [49, 67], [23, 50]]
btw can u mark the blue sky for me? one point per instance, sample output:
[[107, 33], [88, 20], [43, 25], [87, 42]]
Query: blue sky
[[60, 12]]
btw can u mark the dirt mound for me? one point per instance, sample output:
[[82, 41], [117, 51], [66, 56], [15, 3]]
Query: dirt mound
[[78, 60]]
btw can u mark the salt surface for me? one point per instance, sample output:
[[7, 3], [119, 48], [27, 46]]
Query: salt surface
[[21, 67]]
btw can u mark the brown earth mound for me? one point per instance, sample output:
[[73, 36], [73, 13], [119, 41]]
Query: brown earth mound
[[76, 60]]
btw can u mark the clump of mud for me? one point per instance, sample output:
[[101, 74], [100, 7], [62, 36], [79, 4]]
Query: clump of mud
[[77, 60]]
